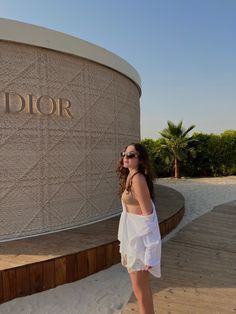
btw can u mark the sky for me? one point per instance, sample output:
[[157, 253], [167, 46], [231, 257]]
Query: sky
[[183, 50]]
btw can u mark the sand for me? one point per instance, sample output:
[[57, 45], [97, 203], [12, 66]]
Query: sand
[[108, 291], [104, 292]]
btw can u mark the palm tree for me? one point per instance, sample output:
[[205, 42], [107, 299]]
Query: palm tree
[[177, 144]]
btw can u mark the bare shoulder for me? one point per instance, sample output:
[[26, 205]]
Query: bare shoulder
[[142, 193], [139, 179]]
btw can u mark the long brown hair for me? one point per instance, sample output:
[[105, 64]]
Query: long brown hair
[[143, 167]]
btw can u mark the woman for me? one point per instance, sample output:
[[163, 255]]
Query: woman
[[139, 235]]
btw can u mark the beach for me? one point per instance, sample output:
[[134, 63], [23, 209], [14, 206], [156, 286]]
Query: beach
[[108, 291]]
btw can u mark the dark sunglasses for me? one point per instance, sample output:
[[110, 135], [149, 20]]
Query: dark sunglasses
[[129, 155]]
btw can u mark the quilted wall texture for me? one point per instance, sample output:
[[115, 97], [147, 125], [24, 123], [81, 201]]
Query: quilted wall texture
[[59, 152]]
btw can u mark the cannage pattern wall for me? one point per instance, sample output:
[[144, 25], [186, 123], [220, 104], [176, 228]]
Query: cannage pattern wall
[[58, 171]]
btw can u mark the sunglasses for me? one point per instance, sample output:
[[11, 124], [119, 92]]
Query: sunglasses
[[129, 155]]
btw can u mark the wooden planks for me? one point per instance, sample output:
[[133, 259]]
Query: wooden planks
[[82, 264], [170, 223], [198, 268], [1, 288], [22, 281], [9, 284], [60, 271], [48, 274]]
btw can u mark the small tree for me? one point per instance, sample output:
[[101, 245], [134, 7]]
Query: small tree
[[177, 144]]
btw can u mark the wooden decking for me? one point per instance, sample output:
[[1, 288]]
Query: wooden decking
[[39, 263], [198, 267]]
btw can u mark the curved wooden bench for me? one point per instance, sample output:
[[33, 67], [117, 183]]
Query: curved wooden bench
[[39, 263]]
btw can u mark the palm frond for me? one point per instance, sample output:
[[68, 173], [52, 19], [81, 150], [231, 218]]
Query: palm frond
[[177, 145], [188, 130]]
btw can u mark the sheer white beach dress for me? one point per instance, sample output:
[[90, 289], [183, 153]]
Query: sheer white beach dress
[[140, 241]]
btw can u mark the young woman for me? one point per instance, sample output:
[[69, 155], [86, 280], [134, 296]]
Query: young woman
[[139, 235]]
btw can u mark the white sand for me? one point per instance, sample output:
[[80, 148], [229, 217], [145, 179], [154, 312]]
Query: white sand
[[105, 292], [108, 291]]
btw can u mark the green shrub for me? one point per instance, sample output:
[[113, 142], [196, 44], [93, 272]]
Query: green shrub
[[215, 156]]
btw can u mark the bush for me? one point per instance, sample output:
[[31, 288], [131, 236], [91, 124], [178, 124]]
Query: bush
[[215, 156]]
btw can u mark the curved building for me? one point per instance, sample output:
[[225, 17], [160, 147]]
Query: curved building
[[67, 108]]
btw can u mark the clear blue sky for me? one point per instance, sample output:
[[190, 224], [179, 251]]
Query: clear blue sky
[[184, 51]]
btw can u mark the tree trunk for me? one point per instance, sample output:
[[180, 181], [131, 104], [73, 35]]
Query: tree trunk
[[177, 169]]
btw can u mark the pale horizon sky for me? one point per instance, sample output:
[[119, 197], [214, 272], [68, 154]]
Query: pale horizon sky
[[184, 51]]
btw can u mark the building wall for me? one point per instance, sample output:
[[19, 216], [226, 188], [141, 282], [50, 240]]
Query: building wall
[[63, 123]]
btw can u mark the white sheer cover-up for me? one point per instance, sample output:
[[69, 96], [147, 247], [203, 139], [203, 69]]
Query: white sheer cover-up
[[140, 238]]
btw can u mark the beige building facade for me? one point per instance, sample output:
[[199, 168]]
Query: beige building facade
[[67, 108]]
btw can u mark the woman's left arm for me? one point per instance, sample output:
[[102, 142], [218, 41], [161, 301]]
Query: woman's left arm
[[151, 242], [142, 194]]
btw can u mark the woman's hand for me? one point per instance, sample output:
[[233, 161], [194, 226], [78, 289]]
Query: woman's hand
[[147, 267]]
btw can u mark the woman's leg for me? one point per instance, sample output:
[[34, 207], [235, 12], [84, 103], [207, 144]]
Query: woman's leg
[[142, 290]]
